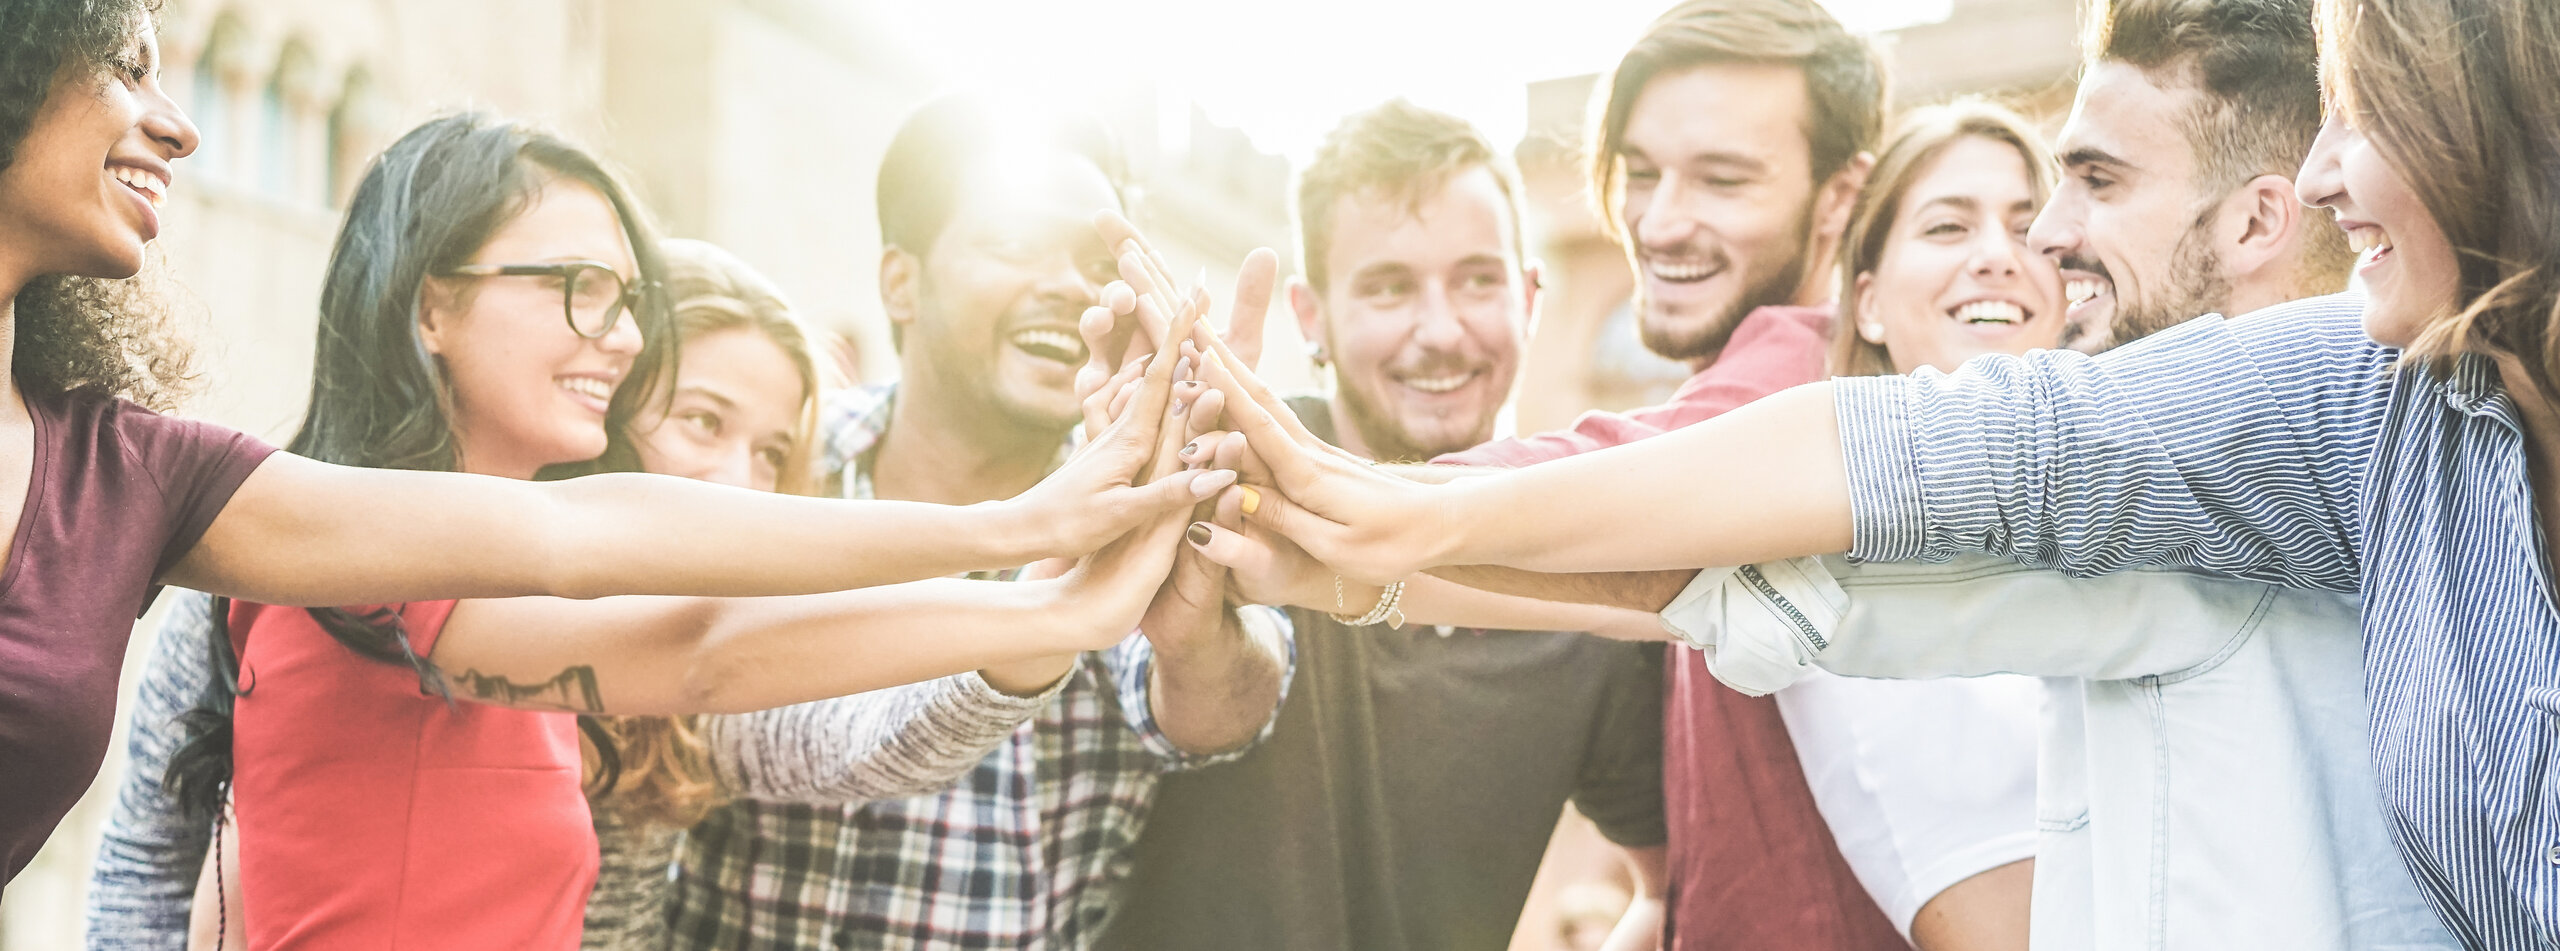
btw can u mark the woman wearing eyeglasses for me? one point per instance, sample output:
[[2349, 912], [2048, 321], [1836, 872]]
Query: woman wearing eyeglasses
[[102, 499], [410, 772]]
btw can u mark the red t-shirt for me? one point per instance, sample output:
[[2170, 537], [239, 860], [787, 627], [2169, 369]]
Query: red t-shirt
[[374, 814], [1752, 866], [117, 495]]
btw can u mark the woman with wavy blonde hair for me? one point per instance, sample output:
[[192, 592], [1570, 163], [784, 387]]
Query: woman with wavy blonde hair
[[740, 409]]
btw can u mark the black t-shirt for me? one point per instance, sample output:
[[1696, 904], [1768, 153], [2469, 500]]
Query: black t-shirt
[[1406, 795]]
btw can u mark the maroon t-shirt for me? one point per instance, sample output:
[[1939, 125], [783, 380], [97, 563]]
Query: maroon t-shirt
[[117, 495], [1751, 863]]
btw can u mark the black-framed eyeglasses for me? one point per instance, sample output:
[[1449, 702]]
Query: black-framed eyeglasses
[[592, 296]]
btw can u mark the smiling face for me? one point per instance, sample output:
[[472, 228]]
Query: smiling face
[[2126, 223], [1956, 278], [734, 416], [83, 194], [1424, 319], [1718, 200], [995, 303], [2410, 272], [528, 391]]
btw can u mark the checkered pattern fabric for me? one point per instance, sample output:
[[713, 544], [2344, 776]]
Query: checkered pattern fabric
[[1021, 853]]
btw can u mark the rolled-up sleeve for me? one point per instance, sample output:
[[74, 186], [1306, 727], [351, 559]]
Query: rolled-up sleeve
[[2232, 445], [1131, 663]]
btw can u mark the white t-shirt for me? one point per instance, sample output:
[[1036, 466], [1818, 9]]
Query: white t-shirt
[[1924, 783]]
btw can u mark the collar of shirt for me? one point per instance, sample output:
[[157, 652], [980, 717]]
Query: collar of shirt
[[851, 423], [2472, 387]]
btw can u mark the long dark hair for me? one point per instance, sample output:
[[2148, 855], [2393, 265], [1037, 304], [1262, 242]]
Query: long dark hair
[[75, 333], [378, 399]]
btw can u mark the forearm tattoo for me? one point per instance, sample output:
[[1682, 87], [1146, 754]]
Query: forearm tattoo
[[573, 690]]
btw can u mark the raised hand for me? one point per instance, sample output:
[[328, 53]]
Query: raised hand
[[1128, 475], [1366, 525], [1147, 580], [1125, 322]]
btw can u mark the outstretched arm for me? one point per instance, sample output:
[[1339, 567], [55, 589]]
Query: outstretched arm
[[676, 655], [2237, 446], [1611, 510], [300, 532]]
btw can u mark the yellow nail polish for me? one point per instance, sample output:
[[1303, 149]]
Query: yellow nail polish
[[1252, 500]]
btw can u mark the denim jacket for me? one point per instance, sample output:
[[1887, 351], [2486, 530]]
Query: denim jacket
[[2203, 776]]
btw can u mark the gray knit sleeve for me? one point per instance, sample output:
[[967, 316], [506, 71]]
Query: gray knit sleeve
[[883, 744], [149, 857]]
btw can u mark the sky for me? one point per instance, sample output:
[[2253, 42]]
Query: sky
[[1284, 72]]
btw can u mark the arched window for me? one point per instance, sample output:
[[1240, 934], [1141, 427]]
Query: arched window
[[286, 165], [210, 102], [354, 123], [275, 142]]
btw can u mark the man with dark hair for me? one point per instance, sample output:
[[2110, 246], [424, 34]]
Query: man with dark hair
[[2204, 779], [1025, 784], [1414, 779], [2191, 118]]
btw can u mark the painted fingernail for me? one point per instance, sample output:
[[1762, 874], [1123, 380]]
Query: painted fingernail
[[1252, 500], [1198, 533], [1191, 447]]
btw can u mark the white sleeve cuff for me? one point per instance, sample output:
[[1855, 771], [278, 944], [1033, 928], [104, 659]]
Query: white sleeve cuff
[[1760, 626]]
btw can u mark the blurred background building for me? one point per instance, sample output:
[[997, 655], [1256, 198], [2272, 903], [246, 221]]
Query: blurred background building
[[757, 125]]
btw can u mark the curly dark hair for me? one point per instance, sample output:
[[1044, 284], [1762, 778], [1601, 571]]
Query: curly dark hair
[[74, 332]]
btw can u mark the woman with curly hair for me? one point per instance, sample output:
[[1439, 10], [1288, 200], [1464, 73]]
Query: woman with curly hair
[[104, 499]]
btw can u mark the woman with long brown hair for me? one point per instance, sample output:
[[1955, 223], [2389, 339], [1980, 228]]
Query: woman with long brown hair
[[2405, 448]]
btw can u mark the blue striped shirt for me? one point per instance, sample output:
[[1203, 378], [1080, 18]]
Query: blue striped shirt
[[2286, 447]]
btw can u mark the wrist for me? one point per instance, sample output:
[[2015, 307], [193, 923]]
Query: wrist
[[1444, 521], [1009, 534], [1362, 610], [1194, 631]]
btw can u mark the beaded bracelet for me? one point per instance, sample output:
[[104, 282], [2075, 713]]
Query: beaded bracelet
[[1387, 609]]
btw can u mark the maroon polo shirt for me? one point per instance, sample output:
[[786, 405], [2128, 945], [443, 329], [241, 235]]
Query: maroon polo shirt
[[1752, 865]]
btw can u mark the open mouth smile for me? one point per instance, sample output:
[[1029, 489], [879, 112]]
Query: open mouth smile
[[1682, 272], [1050, 344], [1443, 383], [151, 185]]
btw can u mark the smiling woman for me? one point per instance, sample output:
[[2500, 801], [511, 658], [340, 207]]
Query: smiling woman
[[1935, 267], [73, 330], [112, 499]]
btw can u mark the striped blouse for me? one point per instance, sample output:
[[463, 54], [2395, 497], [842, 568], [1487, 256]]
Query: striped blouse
[[2286, 447]]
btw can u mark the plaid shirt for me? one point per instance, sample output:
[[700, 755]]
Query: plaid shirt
[[1021, 853]]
